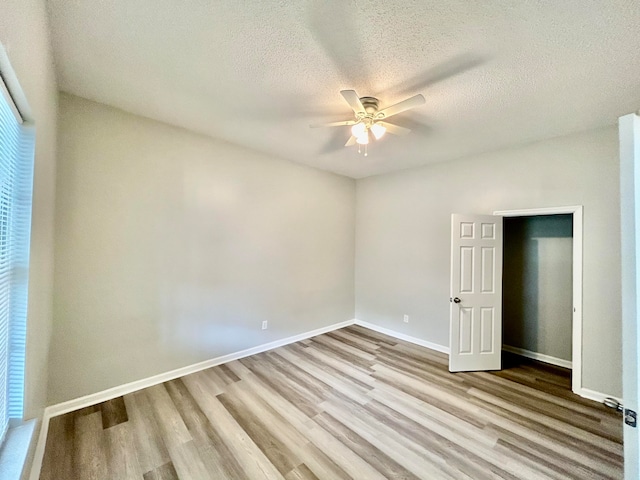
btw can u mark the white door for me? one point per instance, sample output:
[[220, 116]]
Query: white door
[[476, 293], [629, 131]]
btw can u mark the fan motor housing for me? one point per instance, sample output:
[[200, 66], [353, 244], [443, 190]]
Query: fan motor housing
[[370, 104]]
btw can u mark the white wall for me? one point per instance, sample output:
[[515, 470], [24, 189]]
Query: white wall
[[403, 229], [25, 37], [172, 248]]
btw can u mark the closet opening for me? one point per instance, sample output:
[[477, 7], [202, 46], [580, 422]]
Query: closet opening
[[537, 303]]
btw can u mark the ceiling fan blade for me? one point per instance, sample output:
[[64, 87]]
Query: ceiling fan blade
[[334, 124], [353, 100], [351, 141], [442, 71], [403, 106], [334, 25], [334, 143], [394, 129]]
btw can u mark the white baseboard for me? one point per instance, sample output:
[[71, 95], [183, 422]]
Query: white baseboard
[[597, 396], [103, 396], [120, 390], [402, 336], [559, 362]]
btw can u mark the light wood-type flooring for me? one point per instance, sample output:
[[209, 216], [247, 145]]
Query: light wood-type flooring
[[348, 404]]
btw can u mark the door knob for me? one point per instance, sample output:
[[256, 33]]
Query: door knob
[[456, 300]]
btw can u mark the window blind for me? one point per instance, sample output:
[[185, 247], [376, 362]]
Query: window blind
[[16, 179]]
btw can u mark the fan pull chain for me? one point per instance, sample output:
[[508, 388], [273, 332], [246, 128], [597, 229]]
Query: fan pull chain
[[366, 152]]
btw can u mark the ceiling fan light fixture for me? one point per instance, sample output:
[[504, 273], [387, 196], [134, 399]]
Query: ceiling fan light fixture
[[369, 118], [363, 139], [358, 129], [378, 130]]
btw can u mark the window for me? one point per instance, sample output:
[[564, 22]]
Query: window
[[16, 178]]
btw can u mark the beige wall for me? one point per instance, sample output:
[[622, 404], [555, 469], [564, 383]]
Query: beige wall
[[403, 225], [172, 248], [25, 37]]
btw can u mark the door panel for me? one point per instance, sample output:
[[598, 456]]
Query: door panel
[[476, 293], [466, 324], [486, 329], [488, 270], [466, 270]]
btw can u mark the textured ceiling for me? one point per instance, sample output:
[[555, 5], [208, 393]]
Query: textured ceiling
[[257, 72]]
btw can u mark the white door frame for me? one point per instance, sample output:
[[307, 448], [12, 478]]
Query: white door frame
[[629, 137], [576, 211]]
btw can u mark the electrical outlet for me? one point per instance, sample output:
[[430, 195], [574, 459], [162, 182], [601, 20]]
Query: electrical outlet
[[265, 325], [406, 319]]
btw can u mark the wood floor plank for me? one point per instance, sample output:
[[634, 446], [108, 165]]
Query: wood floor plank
[[122, 458], [458, 454], [228, 374], [378, 459], [344, 348], [278, 424], [114, 412], [547, 420], [301, 472], [563, 445], [587, 422], [294, 392], [276, 451], [356, 342], [326, 453], [149, 439], [423, 371], [215, 452], [565, 466], [375, 337], [255, 464], [90, 454], [213, 384], [351, 389], [438, 397], [188, 463], [347, 355], [350, 404], [59, 448], [286, 432], [433, 419], [338, 365], [422, 463], [174, 431], [238, 369], [493, 382], [163, 472], [314, 388]]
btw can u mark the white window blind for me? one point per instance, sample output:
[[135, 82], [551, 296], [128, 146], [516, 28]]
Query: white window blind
[[16, 179]]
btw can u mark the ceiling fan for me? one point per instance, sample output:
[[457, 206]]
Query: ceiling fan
[[370, 120]]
